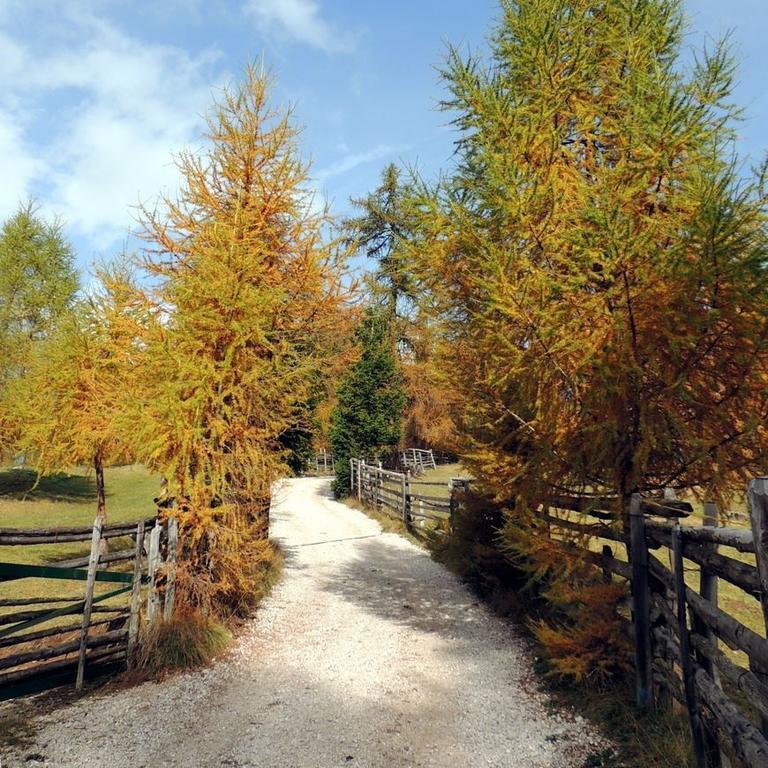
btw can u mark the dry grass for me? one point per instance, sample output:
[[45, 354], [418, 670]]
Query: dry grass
[[189, 639]]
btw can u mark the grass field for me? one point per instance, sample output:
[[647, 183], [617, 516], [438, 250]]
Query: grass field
[[66, 499]]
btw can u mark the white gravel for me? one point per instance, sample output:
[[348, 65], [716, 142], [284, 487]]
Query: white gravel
[[367, 654]]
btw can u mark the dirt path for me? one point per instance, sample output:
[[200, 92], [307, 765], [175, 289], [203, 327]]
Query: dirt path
[[367, 654]]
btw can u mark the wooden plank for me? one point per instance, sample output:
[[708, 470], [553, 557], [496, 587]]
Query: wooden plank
[[170, 566], [13, 602], [41, 634], [404, 501], [669, 508], [438, 501], [757, 498], [89, 585], [742, 575], [133, 623], [360, 468], [640, 605], [62, 649], [686, 662], [754, 690], [738, 538], [597, 530], [44, 670], [108, 559], [154, 564], [733, 632], [750, 745]]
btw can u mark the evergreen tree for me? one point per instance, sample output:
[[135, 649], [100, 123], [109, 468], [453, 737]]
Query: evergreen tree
[[381, 233], [386, 231], [367, 422]]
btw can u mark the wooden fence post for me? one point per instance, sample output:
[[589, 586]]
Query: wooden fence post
[[133, 621], [170, 567], [404, 498], [408, 497], [708, 590], [453, 501], [360, 472], [757, 498], [93, 564], [686, 662], [154, 558], [641, 617], [379, 482], [606, 557]]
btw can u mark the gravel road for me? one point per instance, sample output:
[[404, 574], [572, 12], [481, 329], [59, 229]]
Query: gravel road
[[367, 654]]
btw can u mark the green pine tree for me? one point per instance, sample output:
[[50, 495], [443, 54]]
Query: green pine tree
[[367, 422]]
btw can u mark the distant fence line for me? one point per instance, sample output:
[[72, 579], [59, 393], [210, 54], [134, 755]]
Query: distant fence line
[[418, 459], [400, 495], [323, 463], [106, 633]]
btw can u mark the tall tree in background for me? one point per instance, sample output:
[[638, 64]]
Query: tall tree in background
[[367, 422], [38, 282], [248, 300], [385, 231], [381, 232], [599, 263]]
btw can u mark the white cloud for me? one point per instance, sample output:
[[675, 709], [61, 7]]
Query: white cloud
[[300, 20], [352, 160], [17, 164], [104, 111]]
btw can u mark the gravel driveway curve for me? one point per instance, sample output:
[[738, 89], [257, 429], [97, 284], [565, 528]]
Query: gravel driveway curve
[[367, 654]]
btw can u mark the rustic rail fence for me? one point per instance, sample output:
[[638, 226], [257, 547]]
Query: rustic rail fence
[[418, 459], [421, 505], [677, 629], [322, 463], [39, 648]]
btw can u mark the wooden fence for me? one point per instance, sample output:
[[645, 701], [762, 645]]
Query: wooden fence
[[421, 506], [418, 459], [56, 651], [322, 463], [676, 626]]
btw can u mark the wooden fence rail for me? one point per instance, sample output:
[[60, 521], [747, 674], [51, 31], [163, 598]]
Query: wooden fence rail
[[399, 495], [417, 460], [54, 649], [677, 628]]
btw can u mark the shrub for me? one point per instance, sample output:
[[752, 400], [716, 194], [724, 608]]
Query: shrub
[[188, 639]]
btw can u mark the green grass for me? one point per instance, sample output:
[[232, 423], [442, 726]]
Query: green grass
[[62, 500]]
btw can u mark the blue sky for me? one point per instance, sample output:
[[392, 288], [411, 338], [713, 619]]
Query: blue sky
[[96, 95]]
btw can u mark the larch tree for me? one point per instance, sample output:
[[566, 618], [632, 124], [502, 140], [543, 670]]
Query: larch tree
[[71, 402], [368, 419], [247, 298], [598, 261], [600, 268], [38, 283]]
